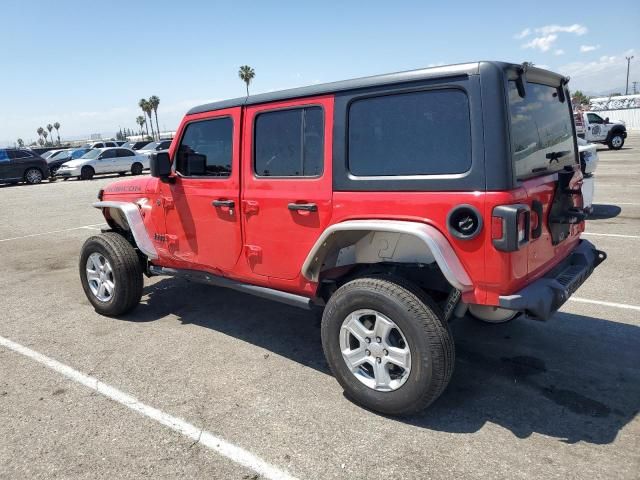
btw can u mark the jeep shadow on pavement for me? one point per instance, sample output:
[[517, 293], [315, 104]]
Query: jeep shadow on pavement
[[395, 203]]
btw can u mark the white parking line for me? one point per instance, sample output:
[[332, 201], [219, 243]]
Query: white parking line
[[198, 435], [610, 235], [605, 304], [87, 227]]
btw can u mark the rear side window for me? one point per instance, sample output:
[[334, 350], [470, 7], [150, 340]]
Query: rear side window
[[541, 131], [122, 152], [211, 138], [289, 143], [419, 133]]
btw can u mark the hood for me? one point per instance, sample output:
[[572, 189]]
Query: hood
[[75, 163], [132, 186]]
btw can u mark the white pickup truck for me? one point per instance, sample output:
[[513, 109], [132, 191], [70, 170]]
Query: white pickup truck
[[595, 129]]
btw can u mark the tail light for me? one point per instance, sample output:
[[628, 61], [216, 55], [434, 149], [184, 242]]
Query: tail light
[[510, 227]]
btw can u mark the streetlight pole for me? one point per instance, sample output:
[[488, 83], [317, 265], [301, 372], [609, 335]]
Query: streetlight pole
[[626, 92]]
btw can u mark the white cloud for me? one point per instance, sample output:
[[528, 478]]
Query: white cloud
[[542, 43], [559, 51], [524, 33], [588, 48], [548, 34], [575, 28], [608, 72]]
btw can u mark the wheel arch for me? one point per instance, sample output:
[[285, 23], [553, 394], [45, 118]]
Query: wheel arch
[[375, 241], [126, 216]]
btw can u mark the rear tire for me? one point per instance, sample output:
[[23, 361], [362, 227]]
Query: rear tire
[[33, 176], [87, 173], [418, 327], [111, 274], [136, 169], [616, 142]]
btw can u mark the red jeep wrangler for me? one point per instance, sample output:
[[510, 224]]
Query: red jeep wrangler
[[395, 202]]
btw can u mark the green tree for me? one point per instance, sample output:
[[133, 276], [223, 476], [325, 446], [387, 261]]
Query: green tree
[[45, 135], [154, 102], [40, 132], [50, 127], [20, 143], [580, 98], [146, 108], [41, 142], [141, 121], [57, 127], [246, 74]]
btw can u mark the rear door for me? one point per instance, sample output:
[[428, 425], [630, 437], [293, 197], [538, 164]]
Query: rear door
[[287, 182], [124, 159], [546, 165], [202, 206]]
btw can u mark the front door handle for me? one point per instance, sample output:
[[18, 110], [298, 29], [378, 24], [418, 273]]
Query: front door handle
[[223, 203], [307, 207]]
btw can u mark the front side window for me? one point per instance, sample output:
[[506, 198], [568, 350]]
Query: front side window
[[418, 133], [593, 118], [108, 154], [212, 139], [289, 143], [541, 131]]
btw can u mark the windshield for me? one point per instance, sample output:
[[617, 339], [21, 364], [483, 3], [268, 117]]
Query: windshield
[[541, 131], [78, 153], [92, 153]]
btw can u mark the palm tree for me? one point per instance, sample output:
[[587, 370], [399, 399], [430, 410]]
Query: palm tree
[[41, 142], [144, 106], [45, 134], [50, 127], [40, 131], [20, 143], [57, 127], [141, 121], [154, 101], [246, 74]]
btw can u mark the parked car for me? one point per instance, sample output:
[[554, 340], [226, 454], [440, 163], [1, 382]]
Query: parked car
[[154, 147], [104, 160], [49, 153], [101, 144], [22, 165], [394, 203], [593, 128], [120, 143], [54, 161], [588, 163], [136, 145]]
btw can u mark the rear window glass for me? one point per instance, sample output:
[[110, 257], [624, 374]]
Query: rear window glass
[[541, 131], [420, 133]]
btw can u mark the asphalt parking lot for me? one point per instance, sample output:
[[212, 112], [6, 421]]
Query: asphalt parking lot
[[527, 400]]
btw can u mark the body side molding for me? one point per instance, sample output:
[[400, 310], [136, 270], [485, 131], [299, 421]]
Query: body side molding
[[346, 233], [135, 224]]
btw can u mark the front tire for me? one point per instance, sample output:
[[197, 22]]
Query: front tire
[[387, 344], [33, 176], [87, 173], [111, 274], [616, 142]]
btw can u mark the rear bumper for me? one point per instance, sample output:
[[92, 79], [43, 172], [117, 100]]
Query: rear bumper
[[543, 297]]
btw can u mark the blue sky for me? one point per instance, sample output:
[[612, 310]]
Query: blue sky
[[87, 67]]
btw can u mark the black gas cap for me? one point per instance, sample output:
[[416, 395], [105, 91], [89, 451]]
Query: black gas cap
[[464, 222]]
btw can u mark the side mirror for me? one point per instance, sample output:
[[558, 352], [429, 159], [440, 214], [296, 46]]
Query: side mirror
[[160, 164], [196, 164]]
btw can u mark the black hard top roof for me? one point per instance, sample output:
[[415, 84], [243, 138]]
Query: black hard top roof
[[357, 83]]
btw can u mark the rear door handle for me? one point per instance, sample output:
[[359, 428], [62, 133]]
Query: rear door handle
[[223, 203], [308, 207]]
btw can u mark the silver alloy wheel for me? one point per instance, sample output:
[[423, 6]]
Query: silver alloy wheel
[[33, 176], [100, 277], [375, 350], [616, 141]]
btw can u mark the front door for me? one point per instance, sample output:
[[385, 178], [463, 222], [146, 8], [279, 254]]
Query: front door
[[202, 206], [287, 183], [106, 162], [597, 127]]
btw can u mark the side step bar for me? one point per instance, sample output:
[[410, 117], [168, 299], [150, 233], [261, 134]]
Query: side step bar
[[215, 280]]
